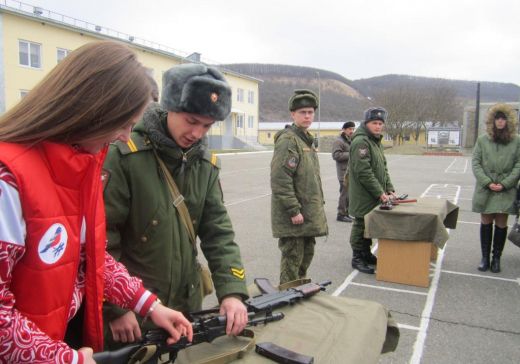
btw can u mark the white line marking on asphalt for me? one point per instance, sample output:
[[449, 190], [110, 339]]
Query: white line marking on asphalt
[[459, 170], [246, 200], [408, 327], [345, 283], [388, 288], [468, 222], [447, 170], [350, 277], [481, 276], [430, 300]]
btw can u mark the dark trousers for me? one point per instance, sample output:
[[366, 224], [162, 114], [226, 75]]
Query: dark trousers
[[343, 199], [357, 239]]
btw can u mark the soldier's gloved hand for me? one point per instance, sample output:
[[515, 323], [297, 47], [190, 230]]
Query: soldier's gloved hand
[[236, 315]]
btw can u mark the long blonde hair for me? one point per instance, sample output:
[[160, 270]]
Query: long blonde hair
[[94, 91]]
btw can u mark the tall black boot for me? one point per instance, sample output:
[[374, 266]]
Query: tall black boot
[[486, 234], [359, 262], [370, 258], [498, 246]]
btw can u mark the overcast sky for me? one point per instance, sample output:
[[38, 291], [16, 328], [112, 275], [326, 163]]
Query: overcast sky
[[475, 40]]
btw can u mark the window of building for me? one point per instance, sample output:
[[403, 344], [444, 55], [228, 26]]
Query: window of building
[[240, 120], [23, 93], [251, 97], [61, 53], [150, 71], [240, 95], [269, 135], [250, 121], [388, 138], [30, 54]]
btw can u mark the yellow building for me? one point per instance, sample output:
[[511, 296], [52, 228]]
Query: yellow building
[[33, 40]]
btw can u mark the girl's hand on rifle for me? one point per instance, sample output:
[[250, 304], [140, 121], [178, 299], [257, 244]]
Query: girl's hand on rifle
[[172, 321], [87, 355]]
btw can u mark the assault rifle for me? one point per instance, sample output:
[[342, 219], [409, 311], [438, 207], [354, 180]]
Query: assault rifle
[[154, 345], [389, 205], [207, 326], [267, 302]]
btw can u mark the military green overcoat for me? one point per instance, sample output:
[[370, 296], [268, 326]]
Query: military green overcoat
[[296, 185], [496, 163], [368, 174], [144, 229]]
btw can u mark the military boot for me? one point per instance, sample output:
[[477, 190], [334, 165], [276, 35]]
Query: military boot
[[498, 246], [486, 233], [359, 262], [370, 258]]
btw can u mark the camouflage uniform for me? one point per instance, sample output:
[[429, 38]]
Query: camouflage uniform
[[296, 188]]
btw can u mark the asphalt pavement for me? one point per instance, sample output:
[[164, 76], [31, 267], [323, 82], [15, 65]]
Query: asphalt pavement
[[464, 316]]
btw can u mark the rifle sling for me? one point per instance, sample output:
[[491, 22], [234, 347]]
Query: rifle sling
[[177, 199], [184, 214], [143, 354], [229, 356]]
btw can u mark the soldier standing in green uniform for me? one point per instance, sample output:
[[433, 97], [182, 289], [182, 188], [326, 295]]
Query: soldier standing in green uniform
[[369, 184], [297, 213], [145, 229]]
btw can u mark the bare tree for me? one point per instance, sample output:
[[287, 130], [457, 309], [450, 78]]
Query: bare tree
[[410, 108]]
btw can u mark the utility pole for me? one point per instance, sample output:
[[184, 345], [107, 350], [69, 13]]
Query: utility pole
[[477, 113], [319, 107]]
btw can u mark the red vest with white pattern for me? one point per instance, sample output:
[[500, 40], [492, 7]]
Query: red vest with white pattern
[[59, 187]]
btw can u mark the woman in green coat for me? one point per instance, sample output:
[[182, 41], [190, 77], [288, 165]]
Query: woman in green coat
[[496, 166]]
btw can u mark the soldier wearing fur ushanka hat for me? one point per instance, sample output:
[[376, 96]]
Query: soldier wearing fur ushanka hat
[[196, 89], [166, 153]]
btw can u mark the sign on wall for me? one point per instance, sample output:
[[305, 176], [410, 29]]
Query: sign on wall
[[446, 137]]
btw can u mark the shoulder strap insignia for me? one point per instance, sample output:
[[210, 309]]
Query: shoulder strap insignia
[[136, 143], [212, 158]]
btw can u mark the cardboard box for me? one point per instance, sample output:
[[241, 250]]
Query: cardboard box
[[406, 262]]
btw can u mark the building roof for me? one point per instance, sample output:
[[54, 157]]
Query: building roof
[[63, 21]]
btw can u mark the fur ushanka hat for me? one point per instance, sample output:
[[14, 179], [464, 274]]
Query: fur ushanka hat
[[196, 89]]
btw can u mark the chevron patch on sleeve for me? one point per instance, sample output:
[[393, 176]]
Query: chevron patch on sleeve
[[239, 273]]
